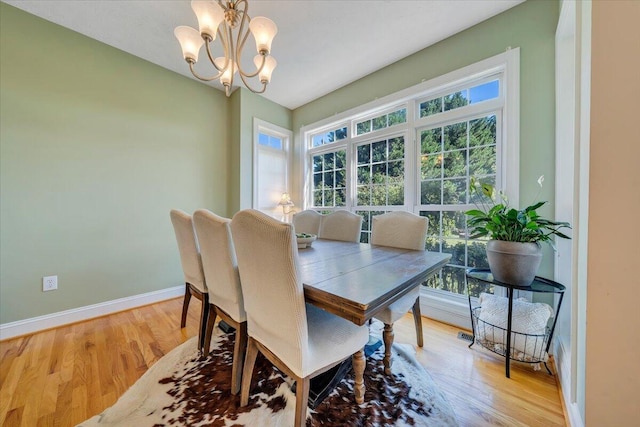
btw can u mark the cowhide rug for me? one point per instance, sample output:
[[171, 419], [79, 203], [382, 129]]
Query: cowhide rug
[[185, 389]]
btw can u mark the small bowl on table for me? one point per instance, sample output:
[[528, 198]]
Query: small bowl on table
[[305, 240]]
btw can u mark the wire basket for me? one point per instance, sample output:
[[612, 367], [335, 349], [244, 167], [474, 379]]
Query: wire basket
[[525, 348]]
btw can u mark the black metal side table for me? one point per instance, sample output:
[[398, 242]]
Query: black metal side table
[[539, 285]]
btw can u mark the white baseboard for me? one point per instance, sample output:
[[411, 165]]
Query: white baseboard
[[562, 360], [575, 420], [48, 321]]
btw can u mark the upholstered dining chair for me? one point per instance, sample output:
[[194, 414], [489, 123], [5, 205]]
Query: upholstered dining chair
[[299, 339], [402, 230], [195, 284], [340, 225], [223, 283], [307, 221]]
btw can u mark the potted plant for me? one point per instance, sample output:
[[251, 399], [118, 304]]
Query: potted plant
[[514, 251]]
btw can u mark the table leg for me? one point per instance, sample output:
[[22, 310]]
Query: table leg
[[387, 337], [507, 353], [358, 370]]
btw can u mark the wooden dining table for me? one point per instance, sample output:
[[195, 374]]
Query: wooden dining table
[[357, 280]]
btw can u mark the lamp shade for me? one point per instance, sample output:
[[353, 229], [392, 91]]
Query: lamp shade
[[269, 65], [209, 15], [285, 200], [228, 73], [263, 30], [190, 42]]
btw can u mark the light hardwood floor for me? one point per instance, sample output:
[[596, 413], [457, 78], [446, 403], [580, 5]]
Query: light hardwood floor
[[63, 376]]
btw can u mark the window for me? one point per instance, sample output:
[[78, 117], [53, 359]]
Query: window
[[380, 170], [416, 151], [329, 137], [381, 122], [271, 166], [329, 179], [450, 154], [273, 141], [472, 95]]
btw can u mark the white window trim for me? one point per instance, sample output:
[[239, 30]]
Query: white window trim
[[262, 126], [449, 308], [507, 62]]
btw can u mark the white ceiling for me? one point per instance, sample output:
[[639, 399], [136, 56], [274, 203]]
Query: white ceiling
[[321, 45]]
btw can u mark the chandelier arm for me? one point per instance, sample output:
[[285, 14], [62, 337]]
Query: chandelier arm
[[199, 77], [229, 55], [209, 54], [250, 75], [245, 11], [246, 83], [240, 46], [223, 41], [207, 46]]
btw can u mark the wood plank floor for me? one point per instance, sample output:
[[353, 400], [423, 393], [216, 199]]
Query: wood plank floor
[[65, 375]]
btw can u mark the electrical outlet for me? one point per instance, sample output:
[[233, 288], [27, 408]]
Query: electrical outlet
[[49, 283]]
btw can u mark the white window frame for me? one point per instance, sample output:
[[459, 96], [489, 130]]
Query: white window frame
[[264, 127], [448, 307]]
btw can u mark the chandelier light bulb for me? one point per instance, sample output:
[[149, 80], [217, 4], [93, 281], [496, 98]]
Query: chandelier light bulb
[[190, 42], [269, 65], [209, 15], [263, 30], [227, 73]]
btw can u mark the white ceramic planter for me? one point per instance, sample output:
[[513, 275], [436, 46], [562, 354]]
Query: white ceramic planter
[[515, 263]]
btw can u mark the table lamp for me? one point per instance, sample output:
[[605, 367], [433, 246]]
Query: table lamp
[[286, 203]]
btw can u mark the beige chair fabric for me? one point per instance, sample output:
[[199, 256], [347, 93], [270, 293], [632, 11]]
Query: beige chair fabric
[[341, 225], [191, 261], [223, 282], [399, 229], [220, 263], [402, 230], [307, 221], [299, 339]]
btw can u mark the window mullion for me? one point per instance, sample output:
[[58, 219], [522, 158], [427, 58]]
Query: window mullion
[[460, 140]]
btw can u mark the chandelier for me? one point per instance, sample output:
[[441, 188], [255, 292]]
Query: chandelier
[[230, 21]]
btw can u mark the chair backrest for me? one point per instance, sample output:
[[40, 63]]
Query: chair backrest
[[188, 248], [219, 263], [399, 229], [271, 285], [307, 221], [341, 225]]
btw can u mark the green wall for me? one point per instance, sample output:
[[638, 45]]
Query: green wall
[[96, 146], [246, 105], [529, 26]]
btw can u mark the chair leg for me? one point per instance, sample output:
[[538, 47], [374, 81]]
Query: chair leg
[[185, 305], [204, 314], [211, 320], [247, 371], [387, 337], [302, 399], [417, 319], [239, 351]]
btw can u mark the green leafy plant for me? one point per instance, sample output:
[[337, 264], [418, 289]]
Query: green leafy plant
[[499, 221]]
